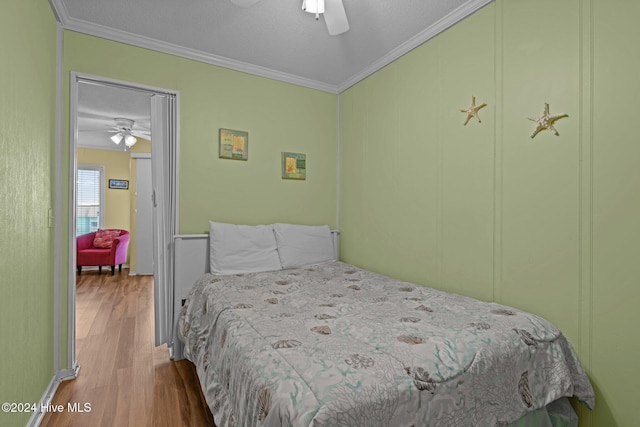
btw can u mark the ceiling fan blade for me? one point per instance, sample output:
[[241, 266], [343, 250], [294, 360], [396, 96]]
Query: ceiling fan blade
[[244, 3], [335, 17], [141, 134]]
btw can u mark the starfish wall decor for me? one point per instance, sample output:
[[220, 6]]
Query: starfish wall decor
[[546, 121], [472, 111]]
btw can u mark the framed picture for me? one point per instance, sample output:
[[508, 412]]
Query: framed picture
[[294, 166], [120, 184], [233, 144]]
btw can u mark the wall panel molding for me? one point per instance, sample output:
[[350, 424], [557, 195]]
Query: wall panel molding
[[585, 320], [497, 163], [586, 176]]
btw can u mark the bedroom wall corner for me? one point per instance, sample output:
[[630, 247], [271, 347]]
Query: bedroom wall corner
[[561, 228], [416, 185]]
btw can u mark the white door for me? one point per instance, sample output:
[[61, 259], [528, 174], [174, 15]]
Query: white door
[[144, 212], [164, 196]]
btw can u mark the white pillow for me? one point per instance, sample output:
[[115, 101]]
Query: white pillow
[[236, 249], [302, 245]]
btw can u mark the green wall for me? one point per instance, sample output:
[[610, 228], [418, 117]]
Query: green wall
[[27, 138], [278, 116], [550, 224], [616, 209]]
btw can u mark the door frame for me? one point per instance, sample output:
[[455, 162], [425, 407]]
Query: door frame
[[75, 80]]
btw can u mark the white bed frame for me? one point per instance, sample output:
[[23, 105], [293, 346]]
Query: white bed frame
[[191, 260]]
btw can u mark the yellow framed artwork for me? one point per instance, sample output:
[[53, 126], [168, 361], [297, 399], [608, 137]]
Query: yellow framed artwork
[[233, 144], [294, 166]]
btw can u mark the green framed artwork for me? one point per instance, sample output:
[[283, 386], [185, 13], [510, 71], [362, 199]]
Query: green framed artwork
[[233, 144], [294, 166]]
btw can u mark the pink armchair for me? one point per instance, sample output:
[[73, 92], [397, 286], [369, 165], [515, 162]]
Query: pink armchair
[[88, 255]]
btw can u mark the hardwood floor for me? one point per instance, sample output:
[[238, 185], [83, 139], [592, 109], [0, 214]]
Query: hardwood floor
[[123, 377]]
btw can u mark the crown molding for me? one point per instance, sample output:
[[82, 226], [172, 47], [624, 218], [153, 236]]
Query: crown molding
[[57, 7], [108, 33], [102, 31], [441, 25]]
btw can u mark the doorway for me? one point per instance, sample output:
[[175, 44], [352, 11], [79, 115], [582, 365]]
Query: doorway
[[111, 126]]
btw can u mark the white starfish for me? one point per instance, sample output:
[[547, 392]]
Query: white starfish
[[546, 121], [472, 111]]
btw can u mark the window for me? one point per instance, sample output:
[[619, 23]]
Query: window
[[90, 199]]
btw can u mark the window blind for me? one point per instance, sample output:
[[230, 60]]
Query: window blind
[[88, 202]]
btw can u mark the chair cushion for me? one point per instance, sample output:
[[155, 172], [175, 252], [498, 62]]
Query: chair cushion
[[104, 238], [94, 257]]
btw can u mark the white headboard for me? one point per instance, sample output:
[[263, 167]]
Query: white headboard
[[191, 260]]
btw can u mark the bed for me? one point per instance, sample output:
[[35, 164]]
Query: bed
[[330, 344]]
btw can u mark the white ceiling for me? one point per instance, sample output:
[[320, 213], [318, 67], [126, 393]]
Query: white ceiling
[[99, 105], [273, 38]]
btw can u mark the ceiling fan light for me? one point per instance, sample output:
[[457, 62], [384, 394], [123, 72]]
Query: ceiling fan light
[[313, 6], [129, 140], [117, 138]]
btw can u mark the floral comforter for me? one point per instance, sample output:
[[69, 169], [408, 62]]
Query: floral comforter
[[334, 345]]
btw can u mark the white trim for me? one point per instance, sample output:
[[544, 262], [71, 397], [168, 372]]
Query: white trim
[[140, 155], [191, 236], [123, 84], [71, 267], [177, 167], [60, 11], [428, 33], [57, 209], [45, 400], [335, 237], [338, 161], [49, 393], [56, 6], [96, 30]]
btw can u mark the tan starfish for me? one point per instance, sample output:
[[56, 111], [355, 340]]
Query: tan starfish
[[472, 111], [546, 121]]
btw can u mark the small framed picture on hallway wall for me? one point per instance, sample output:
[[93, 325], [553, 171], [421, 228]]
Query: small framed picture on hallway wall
[[119, 184]]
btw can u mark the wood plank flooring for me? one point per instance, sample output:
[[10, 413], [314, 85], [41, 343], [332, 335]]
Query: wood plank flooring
[[125, 379]]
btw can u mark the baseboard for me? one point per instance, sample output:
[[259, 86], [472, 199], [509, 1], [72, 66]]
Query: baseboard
[[135, 273], [47, 397], [45, 400], [106, 268]]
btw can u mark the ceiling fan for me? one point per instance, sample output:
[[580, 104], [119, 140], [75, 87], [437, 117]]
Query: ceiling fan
[[333, 11], [123, 130]]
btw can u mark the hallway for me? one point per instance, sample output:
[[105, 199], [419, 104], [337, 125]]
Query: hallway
[[124, 380]]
